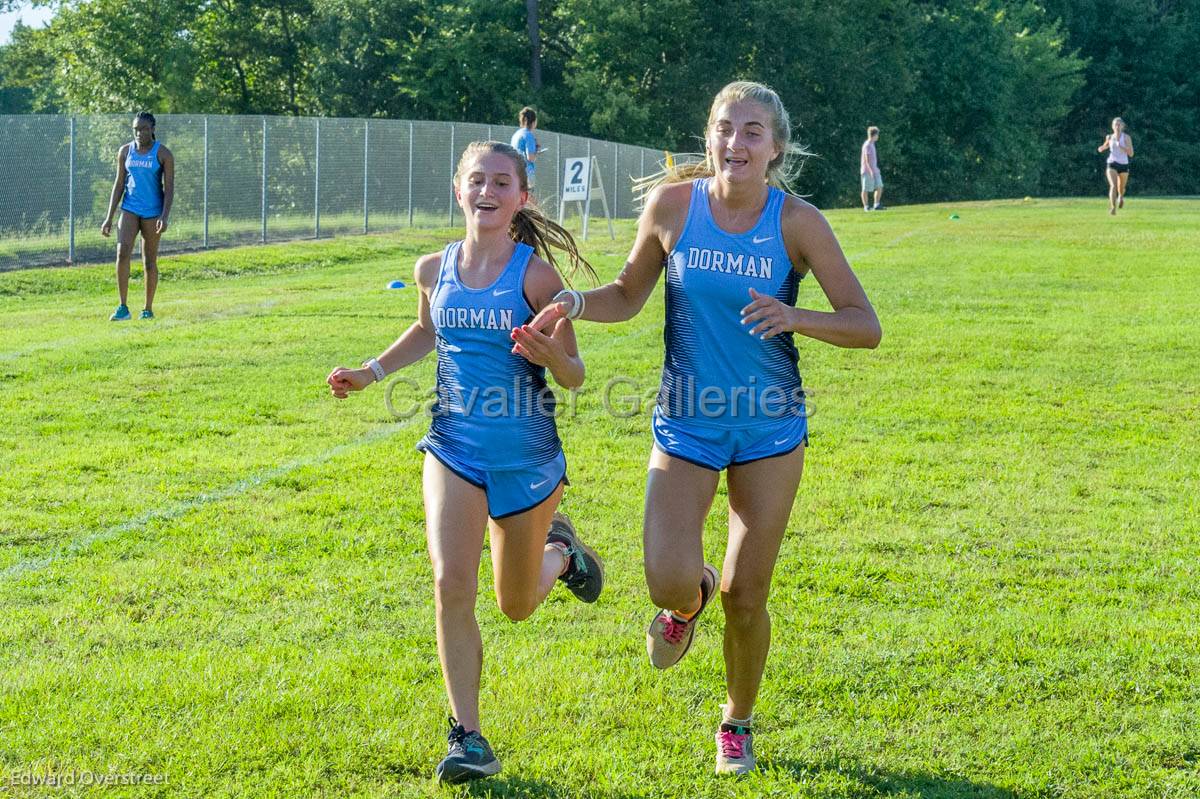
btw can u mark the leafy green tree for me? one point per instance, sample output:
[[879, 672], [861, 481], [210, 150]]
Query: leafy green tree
[[27, 76], [993, 81], [255, 56], [1141, 66], [112, 54]]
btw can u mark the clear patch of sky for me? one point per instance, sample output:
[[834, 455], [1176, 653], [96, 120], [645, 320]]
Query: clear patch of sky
[[32, 17]]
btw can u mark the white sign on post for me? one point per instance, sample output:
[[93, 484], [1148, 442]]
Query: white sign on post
[[578, 176]]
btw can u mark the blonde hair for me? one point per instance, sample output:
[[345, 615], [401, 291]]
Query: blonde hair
[[530, 225], [1118, 119], [781, 171]]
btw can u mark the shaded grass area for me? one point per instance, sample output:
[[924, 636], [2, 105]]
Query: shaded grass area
[[210, 570]]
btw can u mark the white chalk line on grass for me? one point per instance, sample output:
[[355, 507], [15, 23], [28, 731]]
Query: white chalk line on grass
[[174, 511], [184, 507], [169, 512], [30, 565], [887, 245], [235, 312]]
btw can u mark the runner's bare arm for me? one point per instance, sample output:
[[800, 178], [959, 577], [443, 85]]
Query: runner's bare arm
[[659, 225]]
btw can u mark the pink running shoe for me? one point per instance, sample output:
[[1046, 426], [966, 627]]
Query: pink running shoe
[[669, 636], [735, 749]]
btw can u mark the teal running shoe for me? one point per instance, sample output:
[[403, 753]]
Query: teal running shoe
[[470, 756], [121, 314], [147, 313], [584, 576]]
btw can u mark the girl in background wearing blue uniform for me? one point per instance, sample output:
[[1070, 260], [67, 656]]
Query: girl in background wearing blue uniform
[[734, 247], [145, 189], [526, 143], [492, 456]]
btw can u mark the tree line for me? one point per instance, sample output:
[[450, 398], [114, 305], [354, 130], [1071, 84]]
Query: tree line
[[976, 98]]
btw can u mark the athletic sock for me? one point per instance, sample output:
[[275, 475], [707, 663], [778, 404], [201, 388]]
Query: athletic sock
[[728, 719], [566, 557], [679, 614]]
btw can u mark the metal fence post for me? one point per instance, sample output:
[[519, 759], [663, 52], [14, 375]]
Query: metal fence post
[[71, 198], [587, 204], [366, 149], [317, 184], [452, 173], [410, 164], [206, 181], [616, 211], [264, 182]]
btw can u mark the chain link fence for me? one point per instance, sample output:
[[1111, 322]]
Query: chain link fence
[[241, 180]]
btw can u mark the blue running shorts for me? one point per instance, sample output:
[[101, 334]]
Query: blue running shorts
[[717, 448], [509, 491]]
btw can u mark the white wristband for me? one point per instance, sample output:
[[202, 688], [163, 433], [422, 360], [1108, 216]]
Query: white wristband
[[376, 369], [578, 303]]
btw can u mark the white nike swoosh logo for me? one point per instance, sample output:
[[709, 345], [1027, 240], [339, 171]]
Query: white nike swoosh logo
[[781, 441], [757, 240], [498, 292], [536, 486]]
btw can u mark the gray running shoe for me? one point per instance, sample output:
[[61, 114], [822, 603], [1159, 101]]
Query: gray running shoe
[[584, 576], [469, 757], [669, 636], [735, 749]]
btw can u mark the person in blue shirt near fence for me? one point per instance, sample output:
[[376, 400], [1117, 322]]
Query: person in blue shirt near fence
[[493, 458], [524, 142], [145, 190]]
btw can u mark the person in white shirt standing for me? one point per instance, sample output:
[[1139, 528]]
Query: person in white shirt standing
[[1120, 150], [872, 178]]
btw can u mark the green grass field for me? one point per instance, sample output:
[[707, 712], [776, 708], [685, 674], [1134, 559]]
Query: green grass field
[[212, 571]]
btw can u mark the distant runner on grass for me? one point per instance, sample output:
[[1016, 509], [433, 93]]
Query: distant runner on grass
[[1120, 149]]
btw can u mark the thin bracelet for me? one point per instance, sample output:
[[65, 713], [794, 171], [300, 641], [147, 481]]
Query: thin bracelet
[[564, 294]]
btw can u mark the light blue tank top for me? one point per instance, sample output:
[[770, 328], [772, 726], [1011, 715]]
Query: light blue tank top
[[524, 142], [715, 372], [143, 184], [493, 408]]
